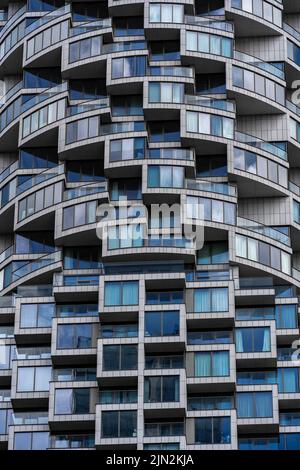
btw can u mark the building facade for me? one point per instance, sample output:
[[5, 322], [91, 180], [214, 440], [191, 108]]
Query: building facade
[[142, 338]]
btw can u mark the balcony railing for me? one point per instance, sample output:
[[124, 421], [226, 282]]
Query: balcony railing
[[90, 26], [170, 71], [72, 441], [86, 190], [261, 144], [114, 397], [218, 188], [255, 62], [198, 100], [209, 23], [292, 31], [91, 105], [164, 429], [8, 171], [45, 175], [263, 230], [45, 95], [40, 263], [49, 16], [30, 417], [60, 280], [43, 352]]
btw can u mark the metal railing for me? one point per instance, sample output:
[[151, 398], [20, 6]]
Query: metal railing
[[208, 186], [270, 232]]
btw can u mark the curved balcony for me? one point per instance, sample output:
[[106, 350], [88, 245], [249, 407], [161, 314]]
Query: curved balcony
[[89, 133], [254, 255], [40, 269], [44, 37], [77, 215], [252, 170], [255, 94], [255, 18]]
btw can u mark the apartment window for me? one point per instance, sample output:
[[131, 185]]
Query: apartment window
[[79, 214], [46, 38], [213, 253], [296, 212], [89, 11], [38, 158], [85, 49], [210, 124], [39, 200], [211, 83], [129, 26], [121, 293], [134, 66], [124, 236], [5, 420], [212, 364], [75, 336], [42, 77], [120, 357], [289, 418], [166, 92], [254, 404], [263, 253], [211, 300], [260, 166], [166, 13], [208, 44], [7, 354], [251, 340], [33, 379], [127, 149], [264, 10], [118, 424], [87, 89], [211, 166], [212, 430], [167, 131], [293, 52], [256, 83], [164, 323], [84, 171], [294, 125], [164, 50], [129, 188], [38, 440], [165, 176], [36, 315], [82, 258], [210, 7], [288, 380], [44, 5], [34, 242], [82, 129], [43, 117], [72, 401], [129, 105], [286, 316], [161, 389]]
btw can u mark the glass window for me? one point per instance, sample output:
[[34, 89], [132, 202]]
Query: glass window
[[120, 357], [211, 300], [121, 293], [212, 430], [118, 424], [254, 405], [162, 323], [161, 389], [253, 340], [212, 364]]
